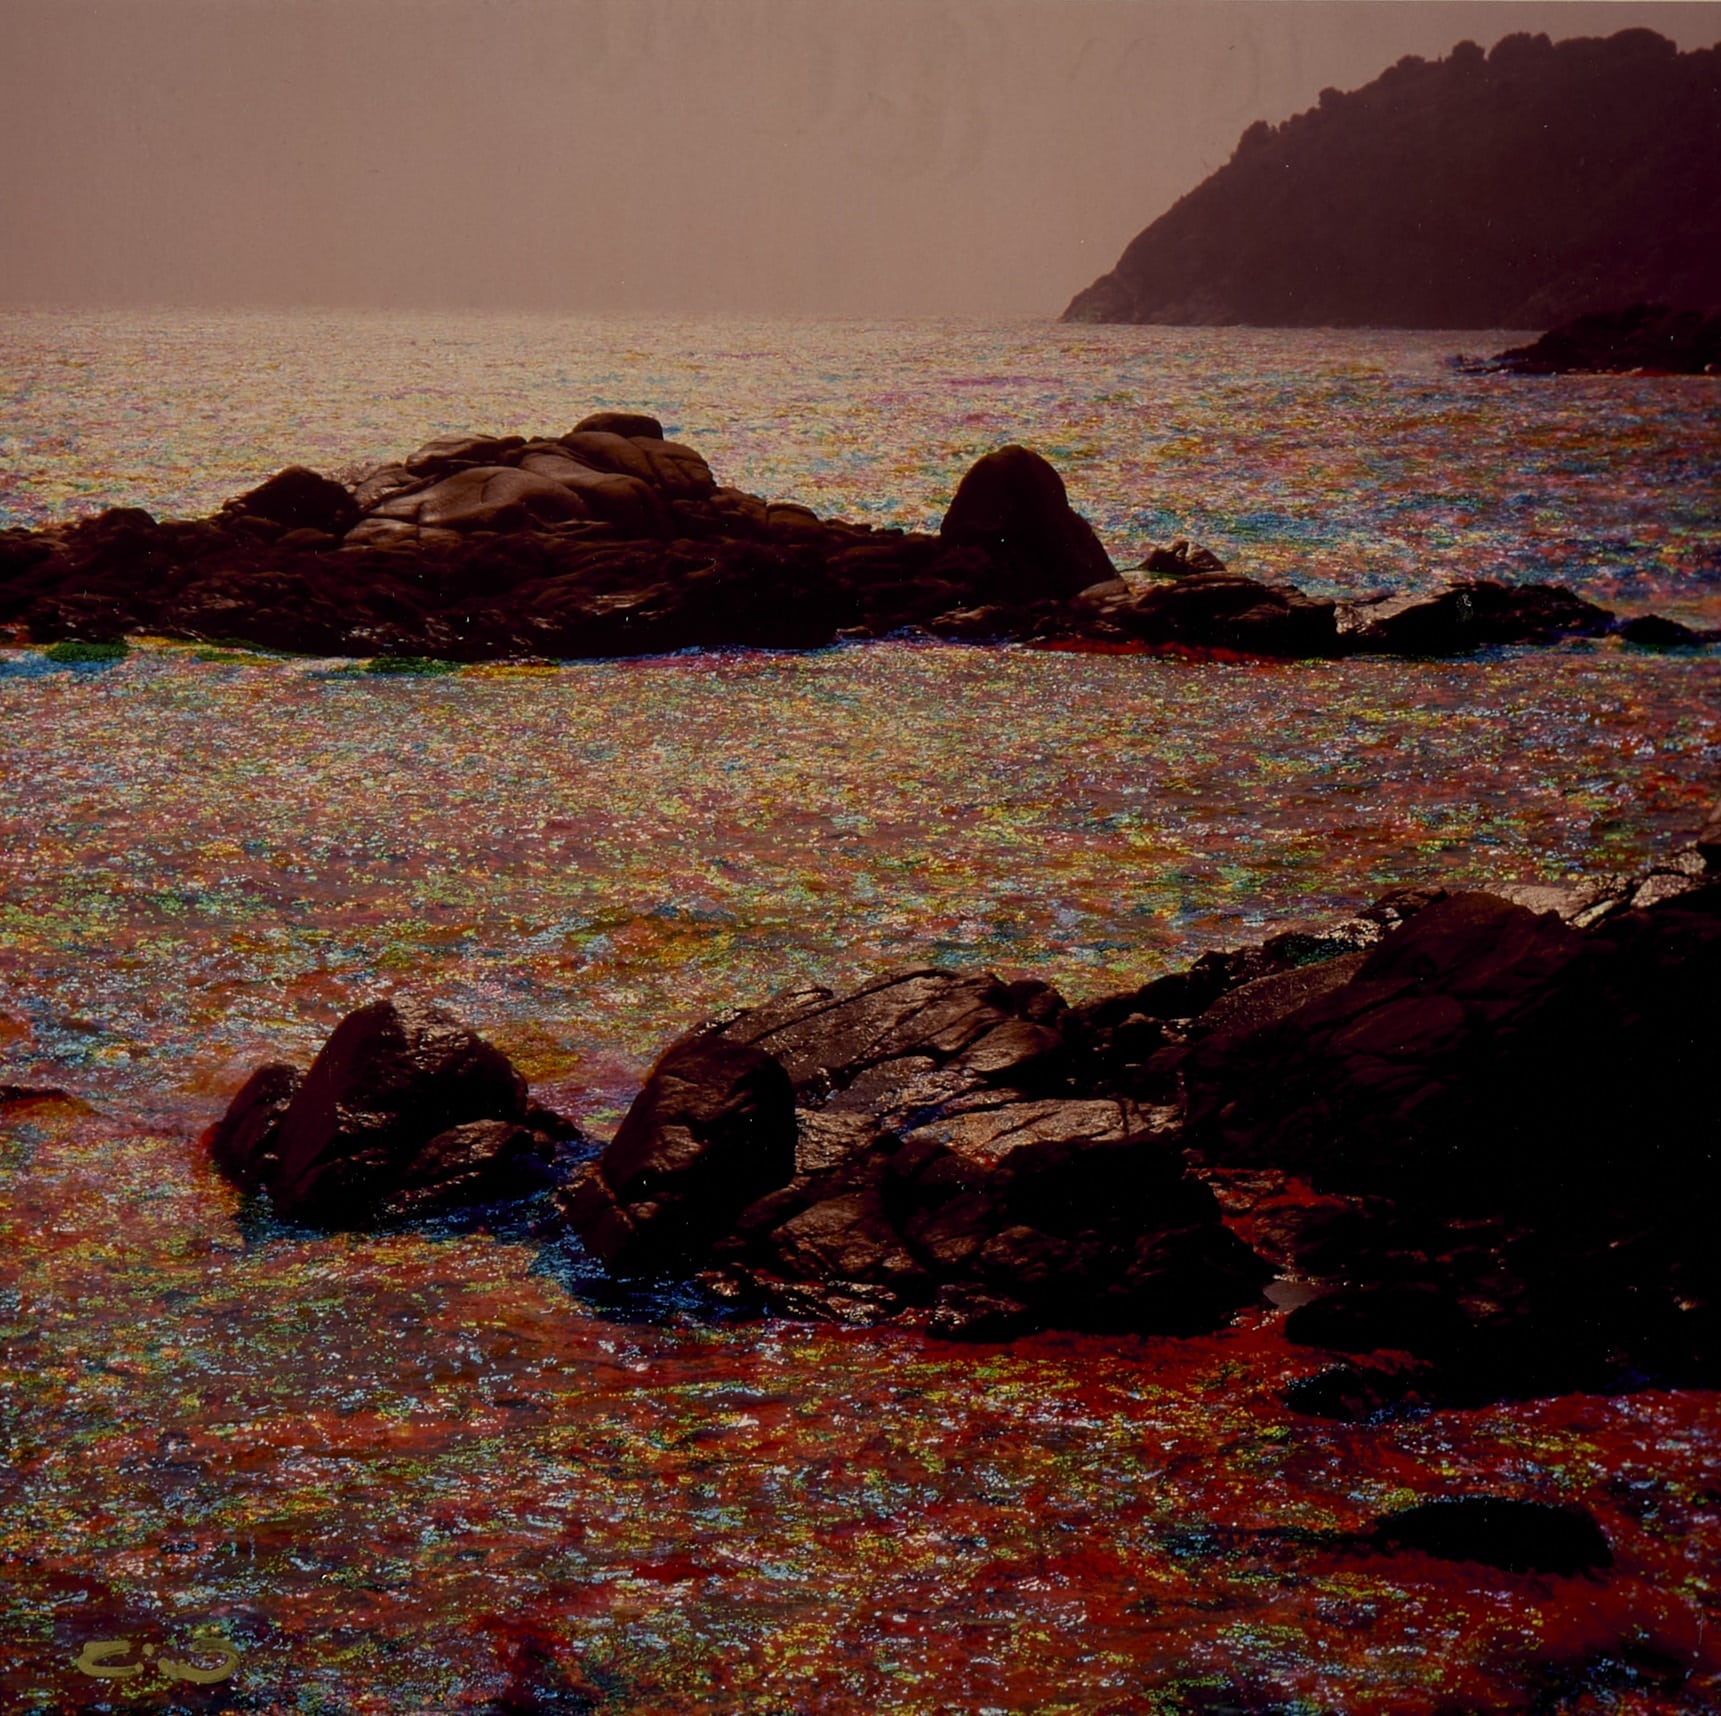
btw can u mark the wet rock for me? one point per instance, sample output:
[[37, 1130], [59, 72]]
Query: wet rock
[[1519, 1536], [712, 1130], [243, 1143], [382, 1124], [480, 1162], [1446, 1062], [1179, 559], [1520, 1109], [926, 1158], [609, 541], [1354, 1394], [1012, 504]]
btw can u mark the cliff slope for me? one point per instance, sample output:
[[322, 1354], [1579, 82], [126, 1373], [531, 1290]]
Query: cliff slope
[[1516, 188]]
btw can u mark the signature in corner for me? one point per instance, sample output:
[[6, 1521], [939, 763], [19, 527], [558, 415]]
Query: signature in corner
[[99, 1657]]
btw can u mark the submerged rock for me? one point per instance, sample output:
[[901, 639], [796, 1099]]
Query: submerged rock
[[403, 1113], [1519, 1536]]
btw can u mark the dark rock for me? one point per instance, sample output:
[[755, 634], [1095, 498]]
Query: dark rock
[[1354, 1394], [243, 1143], [963, 1313], [24, 1095], [1653, 631], [1647, 337], [1474, 615], [301, 500], [1012, 504], [1179, 559], [1519, 1536], [1265, 1000], [608, 544], [477, 1163], [712, 1130], [1524, 1112], [1216, 610], [923, 1156], [380, 1124], [1410, 1317]]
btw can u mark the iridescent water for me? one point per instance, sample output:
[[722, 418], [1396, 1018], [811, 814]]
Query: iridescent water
[[408, 1473]]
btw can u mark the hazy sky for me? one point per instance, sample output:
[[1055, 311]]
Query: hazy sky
[[879, 157]]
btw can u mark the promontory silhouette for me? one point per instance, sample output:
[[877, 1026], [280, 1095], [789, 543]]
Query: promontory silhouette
[[1516, 188]]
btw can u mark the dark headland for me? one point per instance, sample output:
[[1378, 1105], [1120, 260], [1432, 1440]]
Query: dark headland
[[611, 540], [1510, 189]]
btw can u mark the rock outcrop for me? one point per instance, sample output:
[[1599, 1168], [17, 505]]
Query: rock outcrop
[[1476, 1132], [914, 1149], [1491, 1146], [612, 541], [1648, 338], [1512, 189], [404, 1113]]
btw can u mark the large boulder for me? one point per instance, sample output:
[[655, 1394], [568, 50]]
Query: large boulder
[[405, 1111], [1013, 505], [916, 1147], [712, 1130], [1511, 1122]]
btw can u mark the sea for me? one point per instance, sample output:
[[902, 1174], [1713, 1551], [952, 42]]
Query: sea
[[439, 1470]]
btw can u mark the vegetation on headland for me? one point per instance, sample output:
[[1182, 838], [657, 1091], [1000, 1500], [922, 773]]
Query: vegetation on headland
[[1509, 189]]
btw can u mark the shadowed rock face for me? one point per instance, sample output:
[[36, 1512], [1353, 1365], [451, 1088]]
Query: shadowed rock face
[[405, 1112], [1509, 1126], [1012, 505], [713, 1129], [1508, 190]]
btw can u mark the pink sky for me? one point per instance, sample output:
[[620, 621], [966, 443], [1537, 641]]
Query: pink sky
[[866, 157]]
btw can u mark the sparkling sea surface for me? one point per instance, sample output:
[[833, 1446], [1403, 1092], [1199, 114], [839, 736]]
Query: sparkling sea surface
[[421, 1471]]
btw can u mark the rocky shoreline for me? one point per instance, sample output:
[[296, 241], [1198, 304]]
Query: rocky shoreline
[[1642, 339], [1468, 1138], [612, 541]]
